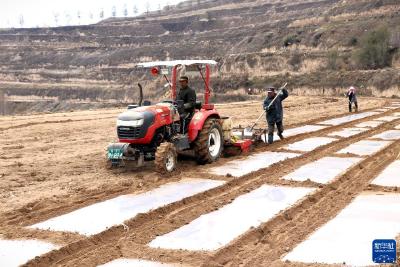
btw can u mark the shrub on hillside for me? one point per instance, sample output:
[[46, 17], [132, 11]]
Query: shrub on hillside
[[332, 63], [316, 38], [395, 39], [295, 60], [291, 39], [353, 41], [374, 52]]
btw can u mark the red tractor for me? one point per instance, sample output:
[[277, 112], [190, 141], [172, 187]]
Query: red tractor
[[156, 132]]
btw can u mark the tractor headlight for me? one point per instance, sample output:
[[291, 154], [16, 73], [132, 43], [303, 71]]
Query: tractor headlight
[[132, 123]]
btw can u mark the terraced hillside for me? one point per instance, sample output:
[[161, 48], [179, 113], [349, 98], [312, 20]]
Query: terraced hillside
[[255, 43]]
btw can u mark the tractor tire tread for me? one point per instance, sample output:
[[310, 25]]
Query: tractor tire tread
[[200, 145], [160, 156]]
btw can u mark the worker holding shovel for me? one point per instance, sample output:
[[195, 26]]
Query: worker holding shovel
[[274, 110]]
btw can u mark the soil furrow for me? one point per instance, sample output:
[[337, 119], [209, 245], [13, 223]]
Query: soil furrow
[[86, 197], [168, 218], [266, 245]]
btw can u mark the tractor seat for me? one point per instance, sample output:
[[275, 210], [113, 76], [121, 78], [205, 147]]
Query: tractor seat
[[198, 105]]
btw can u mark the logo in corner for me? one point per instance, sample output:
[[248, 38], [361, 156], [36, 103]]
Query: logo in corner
[[384, 251]]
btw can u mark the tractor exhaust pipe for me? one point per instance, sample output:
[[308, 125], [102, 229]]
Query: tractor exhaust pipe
[[140, 94]]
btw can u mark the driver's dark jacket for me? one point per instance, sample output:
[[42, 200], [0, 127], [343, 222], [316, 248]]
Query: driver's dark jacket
[[188, 95]]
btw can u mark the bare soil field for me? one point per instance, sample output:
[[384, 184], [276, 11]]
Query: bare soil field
[[53, 164]]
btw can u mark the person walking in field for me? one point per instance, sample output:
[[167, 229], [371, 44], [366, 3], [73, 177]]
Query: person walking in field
[[273, 107], [351, 94]]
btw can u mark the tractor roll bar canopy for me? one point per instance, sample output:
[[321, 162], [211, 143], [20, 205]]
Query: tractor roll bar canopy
[[174, 64]]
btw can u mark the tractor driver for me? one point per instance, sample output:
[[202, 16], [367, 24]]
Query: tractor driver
[[188, 96]]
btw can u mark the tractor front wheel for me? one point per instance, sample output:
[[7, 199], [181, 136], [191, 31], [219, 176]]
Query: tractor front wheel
[[166, 158], [209, 144]]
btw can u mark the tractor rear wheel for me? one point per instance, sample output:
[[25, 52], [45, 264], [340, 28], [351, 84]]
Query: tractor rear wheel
[[166, 158], [210, 141]]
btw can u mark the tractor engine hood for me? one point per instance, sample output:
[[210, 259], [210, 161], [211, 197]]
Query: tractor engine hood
[[133, 118]]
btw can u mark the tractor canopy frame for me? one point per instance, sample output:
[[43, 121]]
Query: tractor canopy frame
[[155, 70]]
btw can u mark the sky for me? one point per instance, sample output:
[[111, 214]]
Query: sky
[[51, 13]]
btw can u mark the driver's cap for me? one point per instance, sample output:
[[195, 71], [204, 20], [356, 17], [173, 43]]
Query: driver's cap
[[183, 78]]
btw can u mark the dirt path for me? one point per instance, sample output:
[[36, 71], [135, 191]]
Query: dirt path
[[120, 242]]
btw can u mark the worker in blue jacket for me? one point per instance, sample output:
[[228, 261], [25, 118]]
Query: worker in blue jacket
[[274, 110]]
